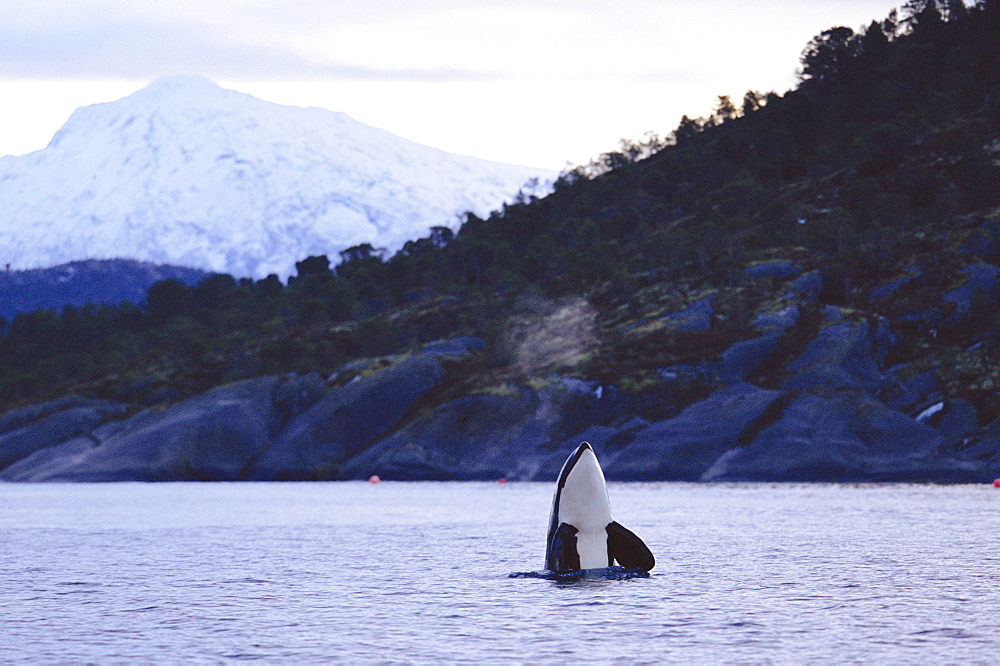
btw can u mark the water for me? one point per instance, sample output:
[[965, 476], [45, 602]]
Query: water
[[419, 572]]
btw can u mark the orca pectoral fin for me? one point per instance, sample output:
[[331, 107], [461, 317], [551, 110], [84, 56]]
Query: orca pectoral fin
[[563, 555], [628, 549]]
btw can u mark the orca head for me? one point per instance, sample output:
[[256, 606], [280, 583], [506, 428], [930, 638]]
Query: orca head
[[582, 494]]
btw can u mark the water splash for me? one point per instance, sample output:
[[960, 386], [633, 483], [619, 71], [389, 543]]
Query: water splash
[[607, 573]]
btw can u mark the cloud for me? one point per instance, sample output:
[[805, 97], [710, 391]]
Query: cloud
[[108, 39], [378, 40]]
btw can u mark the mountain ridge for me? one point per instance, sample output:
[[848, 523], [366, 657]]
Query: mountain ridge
[[86, 282]]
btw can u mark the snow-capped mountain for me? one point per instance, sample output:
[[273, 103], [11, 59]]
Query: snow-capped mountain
[[184, 172]]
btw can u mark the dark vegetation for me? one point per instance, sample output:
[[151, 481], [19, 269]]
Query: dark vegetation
[[884, 160]]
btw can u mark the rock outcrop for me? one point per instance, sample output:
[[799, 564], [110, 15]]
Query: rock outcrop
[[213, 437], [24, 432], [345, 421], [281, 427]]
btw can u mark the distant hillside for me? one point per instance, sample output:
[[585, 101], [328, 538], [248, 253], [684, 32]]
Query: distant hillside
[[79, 283], [186, 173]]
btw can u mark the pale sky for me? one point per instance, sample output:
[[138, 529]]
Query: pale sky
[[534, 82]]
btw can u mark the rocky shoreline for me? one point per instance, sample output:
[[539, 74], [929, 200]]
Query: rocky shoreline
[[839, 415]]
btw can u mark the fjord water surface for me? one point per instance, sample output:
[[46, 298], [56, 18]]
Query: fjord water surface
[[310, 572]]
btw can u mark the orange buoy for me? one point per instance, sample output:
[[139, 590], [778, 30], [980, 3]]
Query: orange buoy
[[996, 483], [374, 478], [502, 481]]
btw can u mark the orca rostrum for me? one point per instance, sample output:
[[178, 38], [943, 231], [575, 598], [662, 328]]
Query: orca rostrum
[[582, 533]]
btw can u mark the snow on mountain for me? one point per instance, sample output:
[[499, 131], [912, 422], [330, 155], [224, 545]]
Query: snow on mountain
[[184, 172]]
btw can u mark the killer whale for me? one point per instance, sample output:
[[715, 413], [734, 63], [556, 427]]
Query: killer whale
[[582, 533]]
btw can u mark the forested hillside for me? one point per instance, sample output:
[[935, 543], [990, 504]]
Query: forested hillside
[[875, 184]]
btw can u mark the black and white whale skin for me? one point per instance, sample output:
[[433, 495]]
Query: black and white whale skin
[[582, 533]]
